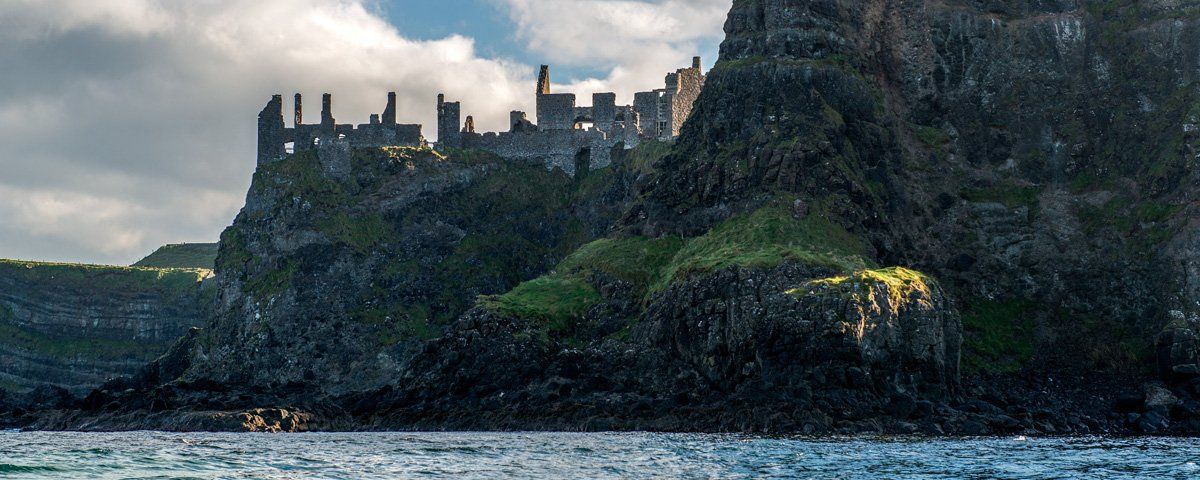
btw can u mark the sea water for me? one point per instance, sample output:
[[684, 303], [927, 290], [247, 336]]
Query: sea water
[[154, 455]]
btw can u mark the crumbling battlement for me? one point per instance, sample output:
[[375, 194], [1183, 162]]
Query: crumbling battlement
[[275, 140], [564, 135]]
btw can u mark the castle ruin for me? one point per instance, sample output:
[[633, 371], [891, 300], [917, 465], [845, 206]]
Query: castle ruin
[[564, 133]]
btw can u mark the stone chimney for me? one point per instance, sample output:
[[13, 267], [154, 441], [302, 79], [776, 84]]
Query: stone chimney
[[299, 118], [543, 85], [327, 112], [389, 112]]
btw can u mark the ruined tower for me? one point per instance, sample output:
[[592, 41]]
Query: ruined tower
[[389, 112], [271, 131], [298, 119], [662, 112], [555, 111], [327, 122], [686, 89], [449, 123], [604, 110]]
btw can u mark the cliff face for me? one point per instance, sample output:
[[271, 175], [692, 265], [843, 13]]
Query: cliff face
[[918, 216], [343, 261], [1037, 157], [77, 326]]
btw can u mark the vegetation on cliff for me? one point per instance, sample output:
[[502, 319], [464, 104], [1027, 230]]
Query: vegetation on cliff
[[182, 255], [392, 245], [782, 231], [899, 282], [99, 278]]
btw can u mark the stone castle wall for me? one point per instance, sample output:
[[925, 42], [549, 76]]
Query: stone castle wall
[[560, 137], [556, 148], [556, 111]]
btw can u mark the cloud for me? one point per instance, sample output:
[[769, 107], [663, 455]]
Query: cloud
[[131, 123], [635, 42], [128, 124]]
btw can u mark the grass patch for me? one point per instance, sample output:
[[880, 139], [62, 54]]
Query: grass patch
[[104, 277], [764, 239], [642, 158], [360, 233], [901, 282], [930, 136], [637, 260], [554, 301], [182, 255], [274, 282], [998, 336], [398, 323], [1112, 346], [1147, 224]]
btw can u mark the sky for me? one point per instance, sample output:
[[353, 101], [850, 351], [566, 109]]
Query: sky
[[130, 124]]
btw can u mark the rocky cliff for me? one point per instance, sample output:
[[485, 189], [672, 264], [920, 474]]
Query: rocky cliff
[[77, 326], [919, 216]]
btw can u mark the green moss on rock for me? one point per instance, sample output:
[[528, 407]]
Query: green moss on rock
[[998, 336], [767, 238], [555, 301], [1008, 194], [642, 159], [359, 232], [762, 239], [273, 282], [637, 260], [901, 283]]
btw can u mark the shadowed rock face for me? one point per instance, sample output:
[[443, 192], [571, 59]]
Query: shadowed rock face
[[1039, 151], [343, 261]]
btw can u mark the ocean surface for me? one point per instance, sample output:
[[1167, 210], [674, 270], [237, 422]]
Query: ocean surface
[[151, 455]]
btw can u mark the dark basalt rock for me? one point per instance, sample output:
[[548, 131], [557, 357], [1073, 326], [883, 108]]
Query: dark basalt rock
[[1033, 160]]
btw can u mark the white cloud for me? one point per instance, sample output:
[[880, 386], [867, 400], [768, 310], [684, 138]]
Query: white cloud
[[131, 123], [636, 42], [128, 124]]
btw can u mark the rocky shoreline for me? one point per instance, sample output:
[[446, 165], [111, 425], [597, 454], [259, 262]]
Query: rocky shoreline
[[1032, 409]]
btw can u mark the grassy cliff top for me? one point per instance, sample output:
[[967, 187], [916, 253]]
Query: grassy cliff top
[[182, 255], [102, 277]]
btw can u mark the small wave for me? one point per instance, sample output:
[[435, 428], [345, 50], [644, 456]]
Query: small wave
[[9, 468]]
